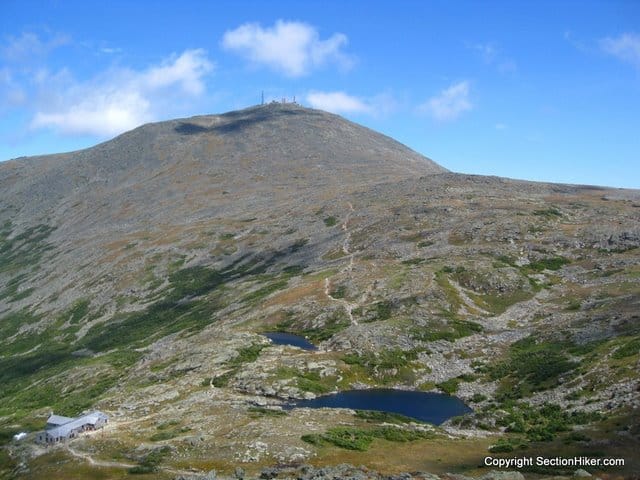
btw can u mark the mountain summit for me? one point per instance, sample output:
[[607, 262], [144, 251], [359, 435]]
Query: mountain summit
[[138, 278], [281, 149]]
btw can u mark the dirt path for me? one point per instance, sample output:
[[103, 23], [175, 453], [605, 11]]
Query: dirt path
[[98, 463], [348, 269], [111, 464]]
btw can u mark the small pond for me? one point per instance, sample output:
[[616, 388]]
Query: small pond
[[426, 406], [280, 338]]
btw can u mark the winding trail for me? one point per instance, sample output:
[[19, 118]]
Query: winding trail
[[111, 464], [97, 463], [348, 269]]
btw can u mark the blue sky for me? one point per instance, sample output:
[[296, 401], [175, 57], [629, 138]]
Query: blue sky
[[534, 90]]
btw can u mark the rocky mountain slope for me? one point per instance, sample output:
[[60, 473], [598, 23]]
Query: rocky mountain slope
[[136, 277]]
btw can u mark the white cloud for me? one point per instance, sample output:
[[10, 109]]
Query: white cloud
[[449, 104], [11, 92], [107, 112], [29, 45], [186, 70], [121, 99], [110, 50], [337, 102], [487, 51], [625, 47], [343, 103], [491, 54], [293, 48], [500, 126]]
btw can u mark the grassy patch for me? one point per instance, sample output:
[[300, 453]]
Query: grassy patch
[[450, 331], [244, 355], [266, 412], [551, 263], [309, 381], [354, 438], [150, 463], [247, 355], [264, 291], [627, 350], [377, 416], [330, 221], [530, 366], [339, 291], [414, 261], [335, 323], [543, 423], [548, 213], [386, 366], [24, 250], [449, 386]]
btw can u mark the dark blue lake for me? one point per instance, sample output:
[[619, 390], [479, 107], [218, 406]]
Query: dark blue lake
[[280, 338], [426, 406]]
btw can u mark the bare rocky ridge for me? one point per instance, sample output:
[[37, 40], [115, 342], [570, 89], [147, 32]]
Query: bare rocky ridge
[[136, 277]]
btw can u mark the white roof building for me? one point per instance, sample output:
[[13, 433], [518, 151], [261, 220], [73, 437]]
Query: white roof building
[[61, 428]]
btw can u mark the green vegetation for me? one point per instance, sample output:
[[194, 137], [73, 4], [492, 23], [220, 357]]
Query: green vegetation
[[247, 355], [168, 430], [309, 380], [383, 310], [339, 292], [335, 323], [449, 386], [244, 355], [265, 291], [353, 438], [542, 424], [424, 243], [387, 366], [190, 302], [553, 263], [32, 380], [24, 250], [628, 349], [548, 212], [450, 331], [507, 445], [21, 255], [222, 380], [266, 412], [531, 365], [414, 261], [377, 312], [478, 397], [151, 461], [573, 306], [384, 417], [330, 221]]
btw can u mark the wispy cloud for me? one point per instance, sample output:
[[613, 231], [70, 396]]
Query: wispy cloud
[[449, 104], [487, 51], [292, 48], [341, 102], [28, 46], [121, 99], [625, 47], [110, 50], [12, 93], [337, 102], [492, 54]]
